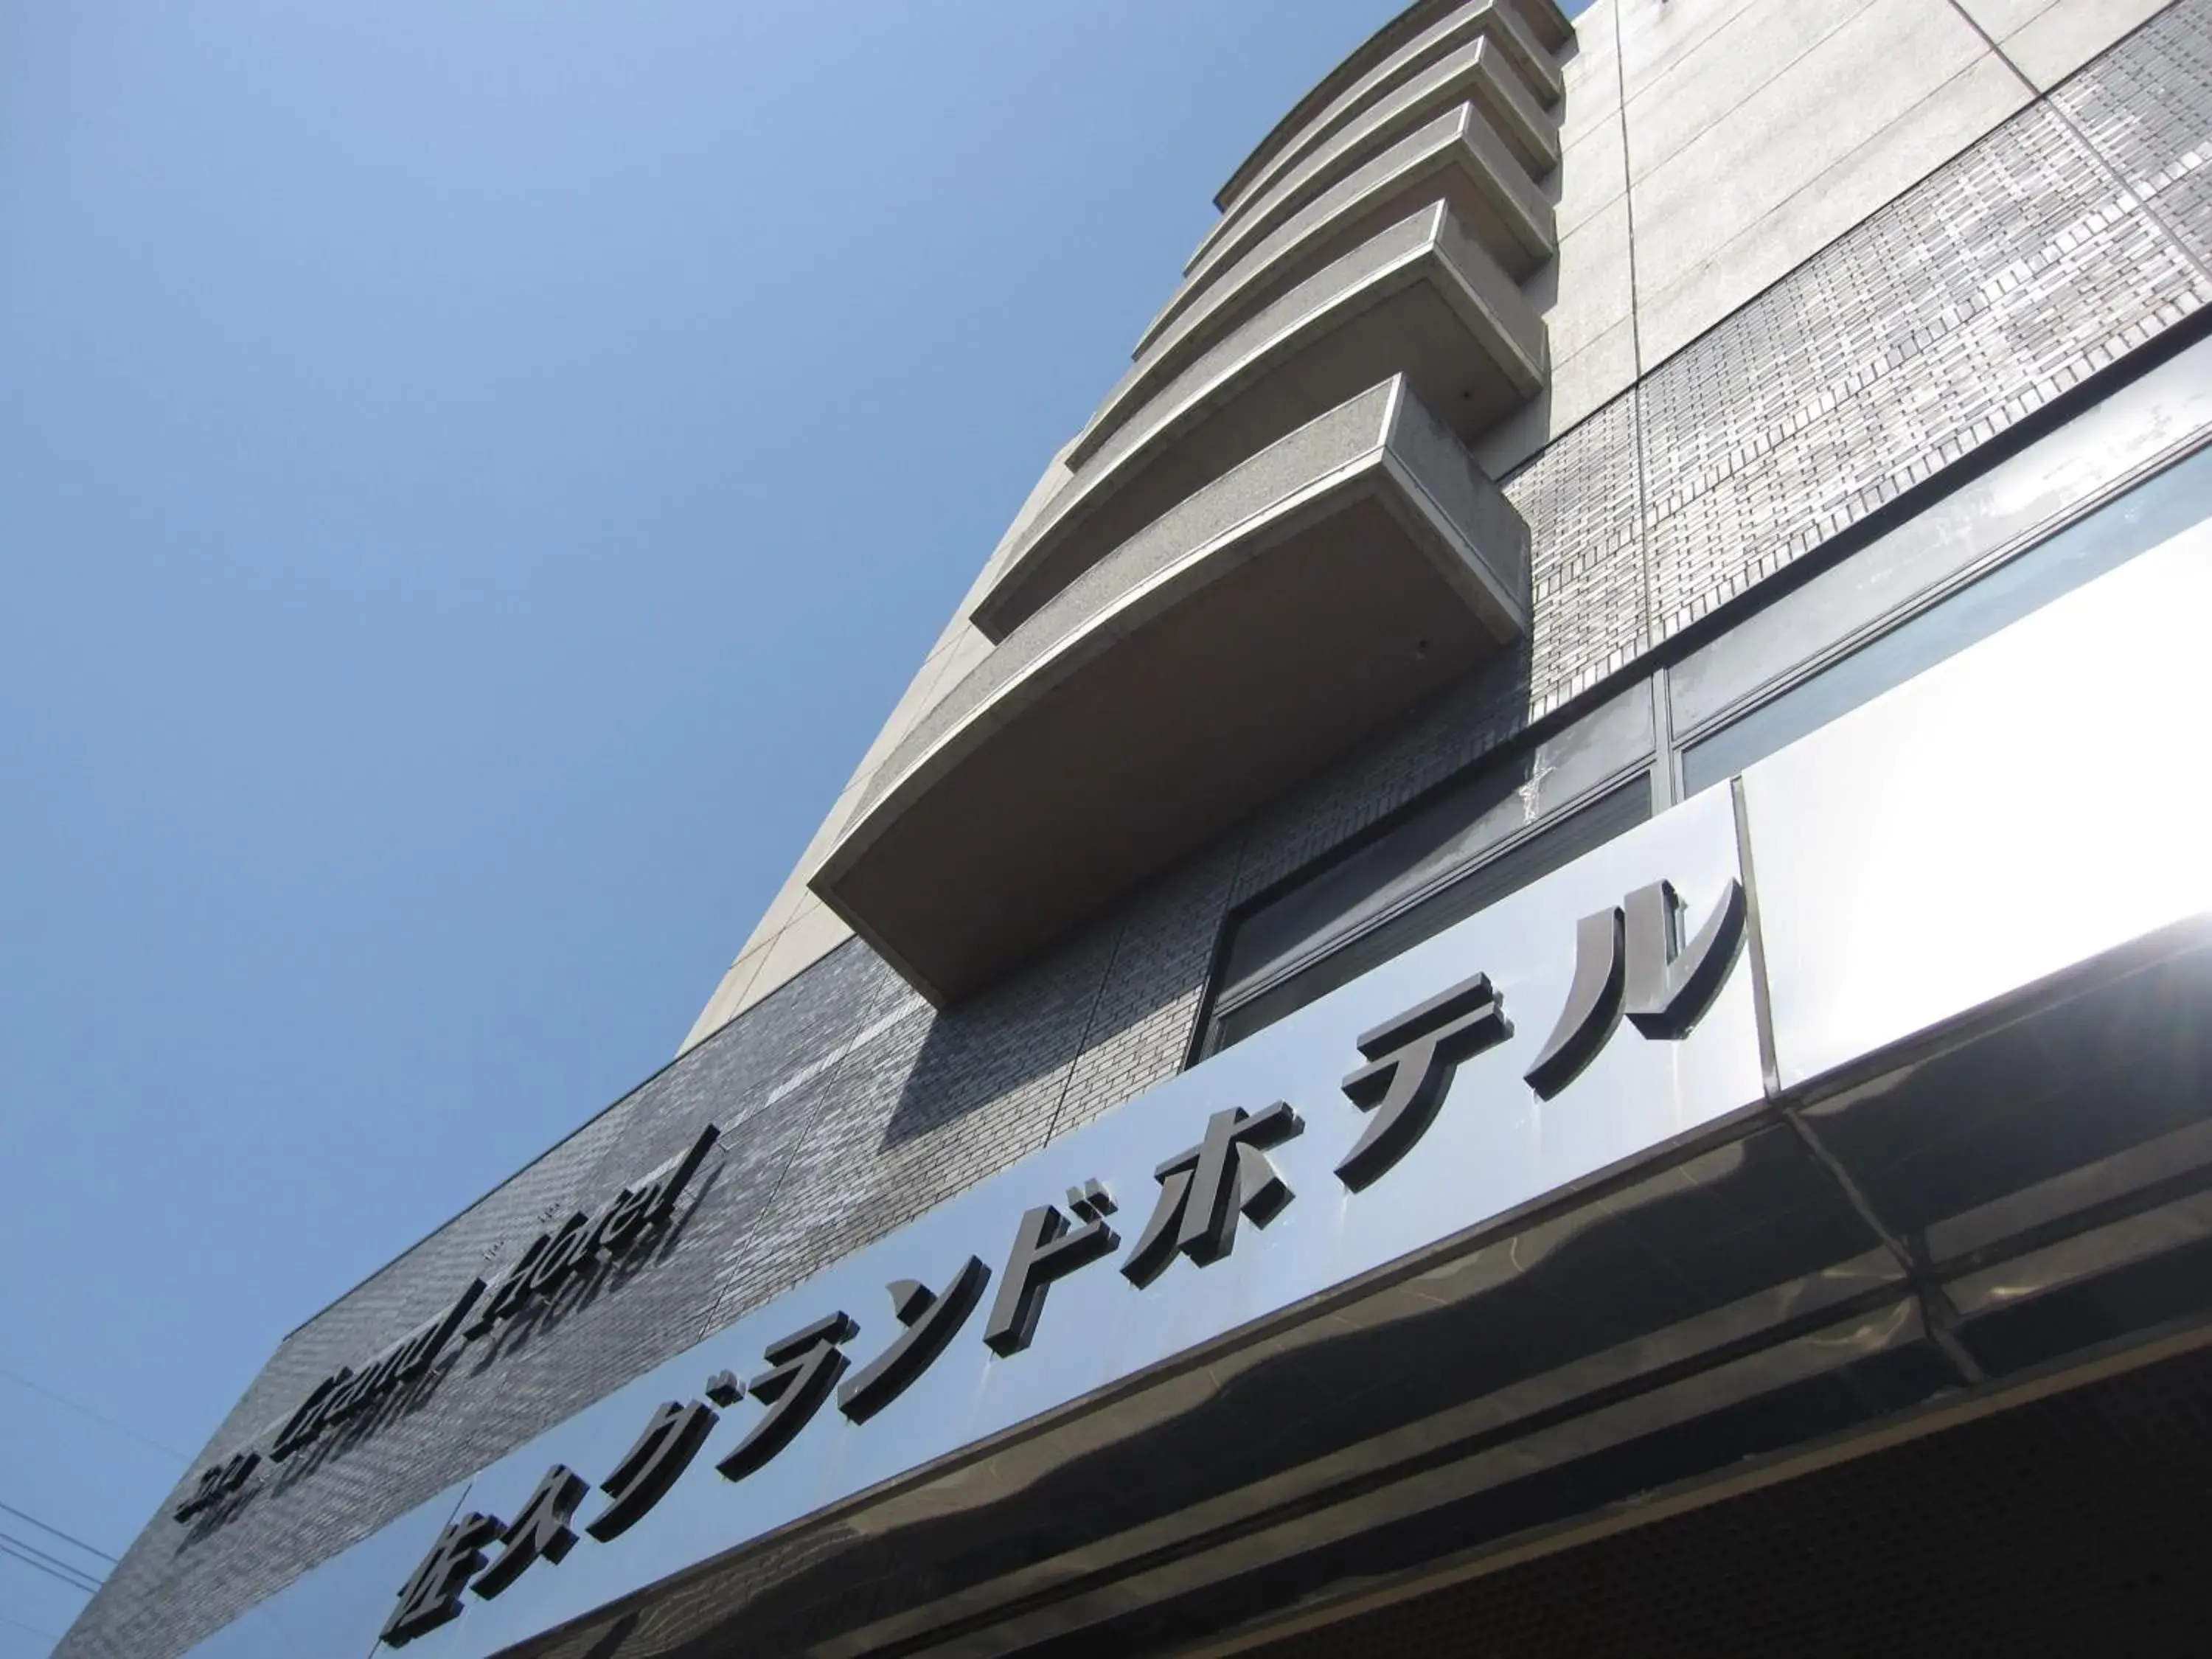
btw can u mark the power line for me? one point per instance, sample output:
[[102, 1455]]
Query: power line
[[86, 1411], [75, 1580], [10, 1539], [90, 1549], [51, 1560], [28, 1629]]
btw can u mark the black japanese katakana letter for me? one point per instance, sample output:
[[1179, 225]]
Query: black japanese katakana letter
[[542, 1530], [218, 1483], [1205, 1188], [807, 1364], [931, 1322], [651, 1467], [725, 1390], [1626, 959], [432, 1595], [1045, 1249], [1593, 1005], [1670, 984], [1411, 1060]]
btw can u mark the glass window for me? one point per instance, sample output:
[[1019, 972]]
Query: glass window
[[1405, 887], [2145, 516]]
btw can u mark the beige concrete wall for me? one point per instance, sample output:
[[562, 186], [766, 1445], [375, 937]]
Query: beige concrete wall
[[1711, 146]]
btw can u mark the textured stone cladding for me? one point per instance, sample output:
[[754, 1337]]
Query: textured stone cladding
[[2074, 233]]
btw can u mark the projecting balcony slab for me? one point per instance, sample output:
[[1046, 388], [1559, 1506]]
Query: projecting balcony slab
[[1455, 159], [1550, 24], [1326, 112], [1475, 74], [1421, 297], [1330, 582]]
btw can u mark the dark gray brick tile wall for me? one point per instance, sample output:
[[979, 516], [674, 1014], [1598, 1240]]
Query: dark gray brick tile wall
[[1140, 1026], [173, 1586], [2071, 235], [1451, 731], [174, 1582], [1582, 500], [1921, 335], [933, 1104]]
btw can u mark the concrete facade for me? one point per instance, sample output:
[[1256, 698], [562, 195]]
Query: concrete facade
[[1811, 262], [1689, 183]]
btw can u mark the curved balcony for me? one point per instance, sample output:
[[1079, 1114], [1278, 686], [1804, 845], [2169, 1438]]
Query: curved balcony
[[1313, 123], [1455, 159], [1421, 299], [1475, 74], [1331, 581], [1549, 22], [1389, 38]]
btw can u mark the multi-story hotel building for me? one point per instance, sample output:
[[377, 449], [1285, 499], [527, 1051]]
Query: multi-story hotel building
[[1530, 977]]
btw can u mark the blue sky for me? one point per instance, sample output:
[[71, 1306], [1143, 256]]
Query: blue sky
[[472, 480]]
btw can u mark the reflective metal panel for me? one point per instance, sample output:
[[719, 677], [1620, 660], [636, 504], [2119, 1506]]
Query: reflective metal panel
[[2035, 801], [2101, 542], [1491, 1147]]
